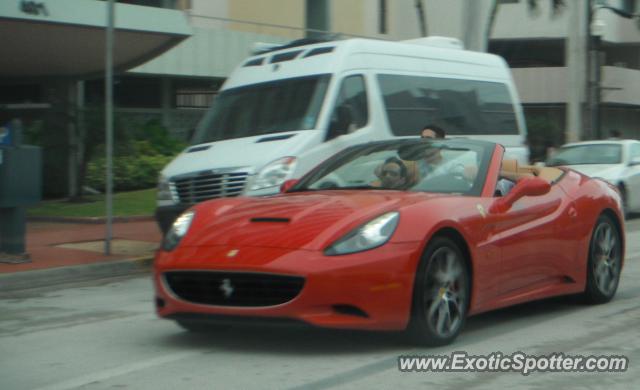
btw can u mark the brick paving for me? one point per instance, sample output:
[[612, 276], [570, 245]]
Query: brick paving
[[44, 239]]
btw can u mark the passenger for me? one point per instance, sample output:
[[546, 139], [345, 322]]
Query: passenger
[[433, 157], [433, 132]]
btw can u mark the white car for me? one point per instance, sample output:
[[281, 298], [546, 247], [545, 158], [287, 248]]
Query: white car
[[615, 160]]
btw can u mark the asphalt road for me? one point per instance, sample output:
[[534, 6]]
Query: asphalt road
[[104, 335]]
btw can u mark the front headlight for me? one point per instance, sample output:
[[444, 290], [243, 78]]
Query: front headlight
[[368, 236], [164, 189], [178, 230], [274, 173]]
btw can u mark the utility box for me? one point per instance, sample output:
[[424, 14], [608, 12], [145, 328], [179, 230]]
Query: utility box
[[20, 186], [20, 176]]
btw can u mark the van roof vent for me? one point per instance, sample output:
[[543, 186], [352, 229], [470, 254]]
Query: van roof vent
[[287, 56], [319, 50], [435, 41], [263, 48], [254, 62]]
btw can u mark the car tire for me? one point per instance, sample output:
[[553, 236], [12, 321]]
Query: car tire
[[604, 263], [440, 294]]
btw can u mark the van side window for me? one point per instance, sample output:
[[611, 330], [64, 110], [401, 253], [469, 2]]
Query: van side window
[[350, 112], [461, 107], [635, 151]]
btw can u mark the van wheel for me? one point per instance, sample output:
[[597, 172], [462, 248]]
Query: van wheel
[[441, 294]]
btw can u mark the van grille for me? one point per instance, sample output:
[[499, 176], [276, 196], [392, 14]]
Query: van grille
[[209, 185], [233, 288]]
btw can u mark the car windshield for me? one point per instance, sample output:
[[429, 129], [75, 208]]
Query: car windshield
[[408, 165], [265, 108], [587, 154]]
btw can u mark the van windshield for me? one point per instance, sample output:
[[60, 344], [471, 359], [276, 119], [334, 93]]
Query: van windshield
[[265, 108]]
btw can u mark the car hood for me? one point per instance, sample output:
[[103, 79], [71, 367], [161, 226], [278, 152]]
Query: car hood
[[257, 151], [609, 172], [293, 221]]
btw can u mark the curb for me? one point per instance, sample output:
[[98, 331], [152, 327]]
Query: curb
[[54, 276], [90, 220]]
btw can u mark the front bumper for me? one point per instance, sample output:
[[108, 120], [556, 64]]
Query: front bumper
[[367, 290]]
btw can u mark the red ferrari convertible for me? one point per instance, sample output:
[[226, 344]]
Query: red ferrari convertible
[[410, 235]]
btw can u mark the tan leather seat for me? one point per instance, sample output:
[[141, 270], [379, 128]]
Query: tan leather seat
[[513, 171], [510, 170]]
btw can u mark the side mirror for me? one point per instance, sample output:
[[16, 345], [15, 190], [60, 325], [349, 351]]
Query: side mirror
[[528, 186], [340, 122], [286, 186]]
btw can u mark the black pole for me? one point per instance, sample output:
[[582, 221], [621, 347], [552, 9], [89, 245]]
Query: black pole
[[597, 43], [421, 21]]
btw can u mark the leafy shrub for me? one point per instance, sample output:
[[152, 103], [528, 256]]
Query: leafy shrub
[[129, 172], [140, 153], [542, 134]]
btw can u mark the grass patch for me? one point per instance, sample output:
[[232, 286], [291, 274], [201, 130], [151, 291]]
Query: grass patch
[[125, 204]]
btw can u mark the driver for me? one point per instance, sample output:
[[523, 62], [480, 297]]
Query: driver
[[393, 174]]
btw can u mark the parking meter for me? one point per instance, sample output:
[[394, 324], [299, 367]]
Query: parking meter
[[20, 186]]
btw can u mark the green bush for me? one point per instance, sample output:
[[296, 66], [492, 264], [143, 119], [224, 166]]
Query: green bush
[[542, 134], [129, 172], [140, 153]]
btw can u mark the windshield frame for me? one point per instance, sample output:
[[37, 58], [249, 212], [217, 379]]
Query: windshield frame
[[486, 150]]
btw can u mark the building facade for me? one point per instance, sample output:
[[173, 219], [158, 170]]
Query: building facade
[[550, 49]]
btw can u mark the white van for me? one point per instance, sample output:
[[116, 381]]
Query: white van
[[282, 112]]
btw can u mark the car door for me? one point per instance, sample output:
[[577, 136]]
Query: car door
[[531, 251]]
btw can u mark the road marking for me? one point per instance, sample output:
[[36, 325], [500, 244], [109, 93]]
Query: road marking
[[118, 371]]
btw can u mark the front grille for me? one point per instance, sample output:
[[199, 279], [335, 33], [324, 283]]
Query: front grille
[[233, 288], [209, 185]]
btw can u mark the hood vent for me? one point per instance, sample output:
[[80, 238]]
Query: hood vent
[[275, 138], [276, 220], [198, 148]]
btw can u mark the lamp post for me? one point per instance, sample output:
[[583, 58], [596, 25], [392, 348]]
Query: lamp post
[[596, 31], [109, 124]]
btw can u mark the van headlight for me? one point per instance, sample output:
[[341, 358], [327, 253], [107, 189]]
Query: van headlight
[[178, 230], [368, 236], [274, 174], [164, 189]]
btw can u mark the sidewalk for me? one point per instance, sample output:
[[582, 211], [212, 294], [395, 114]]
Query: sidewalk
[[61, 252]]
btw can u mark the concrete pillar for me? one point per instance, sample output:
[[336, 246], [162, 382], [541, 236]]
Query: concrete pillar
[[475, 19], [576, 64]]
